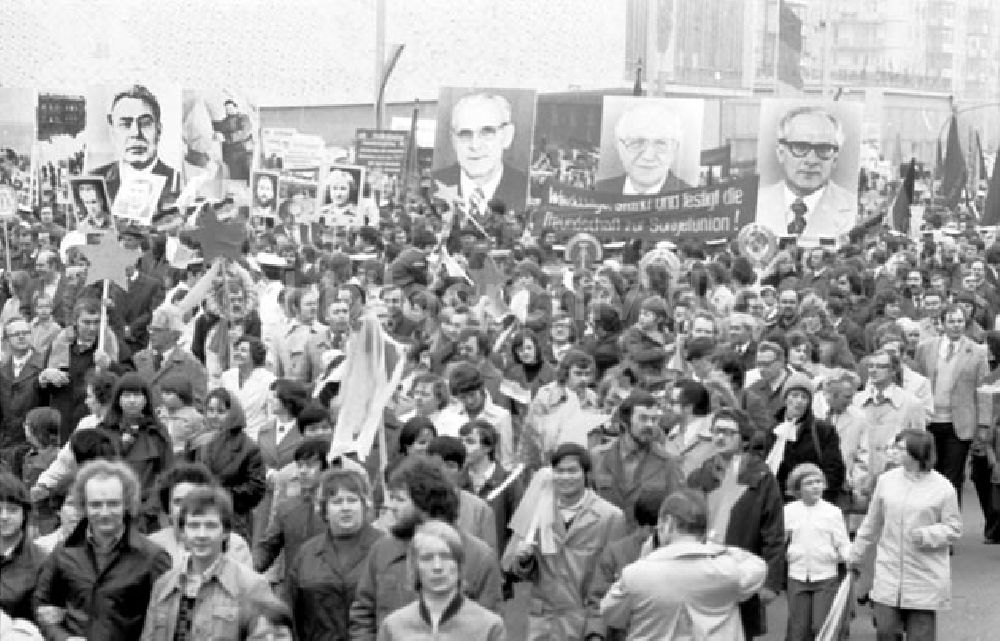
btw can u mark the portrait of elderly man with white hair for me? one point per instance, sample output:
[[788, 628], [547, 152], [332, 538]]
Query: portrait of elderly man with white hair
[[482, 131], [647, 137], [806, 202]]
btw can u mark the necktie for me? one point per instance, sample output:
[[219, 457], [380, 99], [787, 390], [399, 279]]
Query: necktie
[[157, 361], [477, 202], [798, 225], [951, 350]]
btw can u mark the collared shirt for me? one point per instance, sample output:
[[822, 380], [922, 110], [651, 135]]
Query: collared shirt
[[946, 344], [479, 480], [469, 186], [50, 288], [191, 580], [630, 189], [19, 363], [811, 201], [281, 429], [453, 417]]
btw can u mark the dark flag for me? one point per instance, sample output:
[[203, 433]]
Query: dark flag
[[991, 213], [955, 173], [938, 161], [904, 197], [789, 46]]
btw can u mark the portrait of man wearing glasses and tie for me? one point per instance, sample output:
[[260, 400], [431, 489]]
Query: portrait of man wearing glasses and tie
[[647, 138], [481, 131], [806, 201], [136, 128]]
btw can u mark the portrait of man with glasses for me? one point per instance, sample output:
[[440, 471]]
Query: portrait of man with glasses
[[647, 137], [806, 201], [134, 121], [480, 132]]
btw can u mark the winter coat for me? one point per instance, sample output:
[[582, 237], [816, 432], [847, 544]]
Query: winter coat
[[236, 462], [322, 580], [462, 620], [909, 574], [656, 470], [816, 442], [561, 581], [18, 574]]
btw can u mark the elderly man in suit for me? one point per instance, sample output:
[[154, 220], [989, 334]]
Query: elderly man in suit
[[482, 129], [647, 138], [956, 366], [19, 390], [806, 202], [136, 128], [707, 580], [165, 357]]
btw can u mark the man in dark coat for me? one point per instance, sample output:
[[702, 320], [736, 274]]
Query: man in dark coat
[[98, 583], [745, 508], [19, 390]]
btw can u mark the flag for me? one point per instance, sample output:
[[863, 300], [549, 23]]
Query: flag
[[789, 46], [955, 173], [991, 213], [904, 197], [938, 162], [982, 174]]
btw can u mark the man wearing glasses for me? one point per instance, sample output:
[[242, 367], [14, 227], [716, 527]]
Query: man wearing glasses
[[806, 202], [135, 134], [481, 131], [647, 137]]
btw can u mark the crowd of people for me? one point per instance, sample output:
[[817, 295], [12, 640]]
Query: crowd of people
[[174, 464]]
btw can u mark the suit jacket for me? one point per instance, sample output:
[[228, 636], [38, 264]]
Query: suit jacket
[[112, 178], [972, 368], [834, 215], [18, 396], [181, 363], [134, 307], [277, 455], [616, 184], [512, 190]]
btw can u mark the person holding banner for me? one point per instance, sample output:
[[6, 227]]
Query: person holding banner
[[560, 530], [807, 202]]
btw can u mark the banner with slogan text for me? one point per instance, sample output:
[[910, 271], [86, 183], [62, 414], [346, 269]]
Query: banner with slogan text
[[382, 150], [707, 213]]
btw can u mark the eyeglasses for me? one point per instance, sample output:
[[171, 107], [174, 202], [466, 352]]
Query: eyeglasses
[[879, 365], [659, 145], [22, 333], [801, 149], [724, 432], [486, 134]]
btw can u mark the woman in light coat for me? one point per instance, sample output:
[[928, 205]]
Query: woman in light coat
[[913, 519]]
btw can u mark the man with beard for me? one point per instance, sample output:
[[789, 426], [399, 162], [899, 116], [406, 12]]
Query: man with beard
[[419, 490], [635, 460]]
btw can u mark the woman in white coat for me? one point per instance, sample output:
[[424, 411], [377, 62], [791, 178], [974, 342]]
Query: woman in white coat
[[913, 519]]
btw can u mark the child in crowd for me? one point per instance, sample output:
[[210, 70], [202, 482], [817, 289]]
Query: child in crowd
[[817, 543]]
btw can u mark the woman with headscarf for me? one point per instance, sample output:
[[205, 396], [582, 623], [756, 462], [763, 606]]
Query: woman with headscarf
[[141, 441], [324, 574], [231, 456]]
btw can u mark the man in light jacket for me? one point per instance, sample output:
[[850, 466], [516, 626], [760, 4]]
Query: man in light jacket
[[707, 581]]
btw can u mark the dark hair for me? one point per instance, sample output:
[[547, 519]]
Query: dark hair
[[688, 510], [183, 472], [519, 339], [411, 431], [572, 449], [449, 448], [179, 385], [90, 444], [466, 378], [574, 358], [138, 92], [428, 486], [44, 423], [311, 449], [439, 387], [291, 394], [12, 490], [637, 398], [258, 351], [743, 421], [130, 382], [86, 305], [488, 435], [695, 395], [336, 479], [103, 383], [774, 348], [203, 499], [919, 445], [647, 506], [311, 414], [482, 342], [699, 348]]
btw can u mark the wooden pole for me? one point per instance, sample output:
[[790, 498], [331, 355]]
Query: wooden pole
[[104, 316]]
